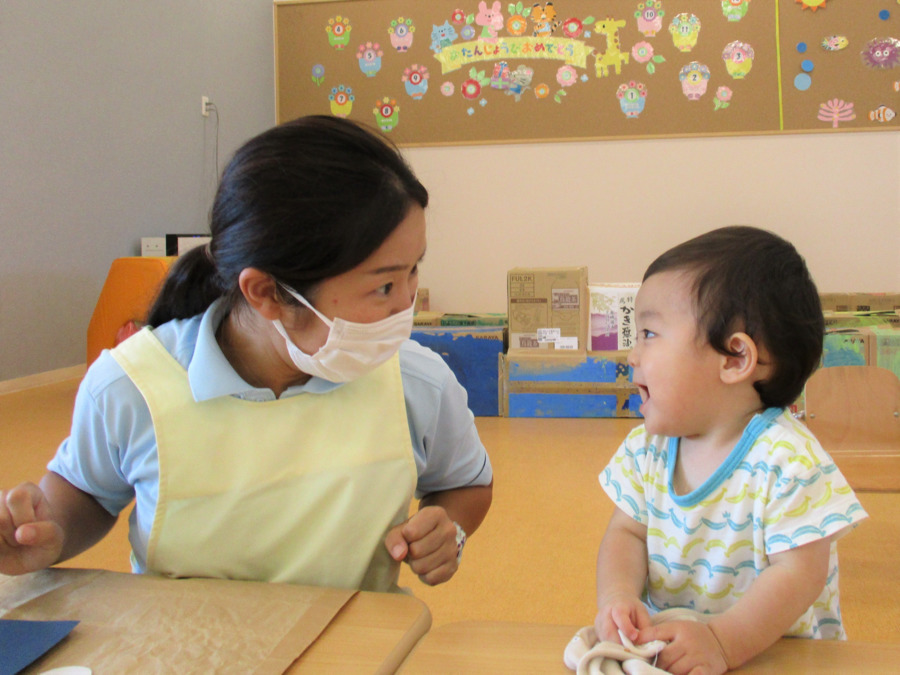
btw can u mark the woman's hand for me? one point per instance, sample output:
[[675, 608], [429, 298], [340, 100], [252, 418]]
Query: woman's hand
[[427, 541], [30, 539]]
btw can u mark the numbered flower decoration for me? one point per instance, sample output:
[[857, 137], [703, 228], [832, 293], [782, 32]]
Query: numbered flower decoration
[[341, 98], [387, 113], [643, 53], [694, 80], [735, 10], [415, 79], [738, 57], [338, 30], [369, 57], [649, 16], [685, 30], [632, 98], [401, 31]]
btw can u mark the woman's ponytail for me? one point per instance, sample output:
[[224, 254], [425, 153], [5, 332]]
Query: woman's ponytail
[[189, 288]]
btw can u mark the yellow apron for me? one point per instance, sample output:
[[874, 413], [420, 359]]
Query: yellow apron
[[301, 489]]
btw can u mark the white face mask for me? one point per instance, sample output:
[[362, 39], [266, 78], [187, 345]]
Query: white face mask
[[352, 349]]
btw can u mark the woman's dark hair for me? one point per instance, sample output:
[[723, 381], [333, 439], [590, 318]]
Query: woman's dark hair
[[304, 201], [747, 279]]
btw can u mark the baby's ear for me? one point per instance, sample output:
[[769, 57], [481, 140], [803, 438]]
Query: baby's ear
[[745, 361]]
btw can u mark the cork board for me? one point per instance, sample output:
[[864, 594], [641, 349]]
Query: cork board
[[463, 72]]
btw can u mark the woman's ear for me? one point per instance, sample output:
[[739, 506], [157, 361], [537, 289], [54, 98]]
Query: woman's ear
[[261, 292], [743, 364]]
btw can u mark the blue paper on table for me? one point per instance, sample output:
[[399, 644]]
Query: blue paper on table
[[24, 642]]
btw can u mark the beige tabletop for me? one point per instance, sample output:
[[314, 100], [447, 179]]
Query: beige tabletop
[[141, 623], [474, 647]]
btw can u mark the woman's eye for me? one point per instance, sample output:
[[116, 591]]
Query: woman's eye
[[385, 290]]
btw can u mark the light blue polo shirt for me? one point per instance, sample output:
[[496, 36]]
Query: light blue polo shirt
[[111, 452]]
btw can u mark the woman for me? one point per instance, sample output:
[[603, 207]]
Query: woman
[[274, 420]]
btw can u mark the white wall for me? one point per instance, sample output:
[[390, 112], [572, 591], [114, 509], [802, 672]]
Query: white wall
[[102, 142], [615, 205]]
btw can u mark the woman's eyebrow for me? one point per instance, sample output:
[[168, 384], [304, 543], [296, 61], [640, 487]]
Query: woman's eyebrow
[[395, 268]]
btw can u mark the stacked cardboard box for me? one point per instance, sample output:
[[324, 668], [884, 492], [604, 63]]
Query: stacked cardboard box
[[472, 353], [596, 384], [548, 308], [612, 316]]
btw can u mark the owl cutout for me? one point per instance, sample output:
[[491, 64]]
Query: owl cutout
[[369, 58], [415, 79], [685, 29], [387, 114], [694, 79], [649, 16], [738, 57], [735, 10], [632, 98], [401, 32], [341, 99], [338, 30]]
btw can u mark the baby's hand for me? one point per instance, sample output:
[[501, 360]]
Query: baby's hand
[[427, 541], [693, 648], [621, 612], [29, 538]]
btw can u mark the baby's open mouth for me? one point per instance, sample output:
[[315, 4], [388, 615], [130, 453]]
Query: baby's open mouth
[[644, 392]]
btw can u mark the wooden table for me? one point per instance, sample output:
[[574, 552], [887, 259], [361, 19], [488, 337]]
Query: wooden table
[[373, 633], [474, 647], [134, 622]]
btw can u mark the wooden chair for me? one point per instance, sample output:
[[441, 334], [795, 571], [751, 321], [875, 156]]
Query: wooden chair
[[854, 411]]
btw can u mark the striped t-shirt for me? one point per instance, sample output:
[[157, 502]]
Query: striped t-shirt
[[778, 489]]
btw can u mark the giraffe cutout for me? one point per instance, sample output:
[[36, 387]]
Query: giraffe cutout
[[612, 57]]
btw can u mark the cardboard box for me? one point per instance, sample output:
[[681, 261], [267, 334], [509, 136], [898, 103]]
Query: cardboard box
[[539, 384], [425, 318], [471, 352], [859, 302], [548, 308], [483, 319], [612, 316], [835, 320]]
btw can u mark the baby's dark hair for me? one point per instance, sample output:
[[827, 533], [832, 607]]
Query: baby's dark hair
[[747, 279], [305, 201]]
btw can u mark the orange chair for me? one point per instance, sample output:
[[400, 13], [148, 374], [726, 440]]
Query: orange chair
[[128, 292]]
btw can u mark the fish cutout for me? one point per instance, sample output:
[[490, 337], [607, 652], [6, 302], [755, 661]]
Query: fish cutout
[[882, 114], [835, 43]]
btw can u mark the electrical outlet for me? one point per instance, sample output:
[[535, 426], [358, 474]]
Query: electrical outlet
[[204, 106]]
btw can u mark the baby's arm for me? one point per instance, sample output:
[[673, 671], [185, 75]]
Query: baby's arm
[[40, 526], [621, 575], [775, 600]]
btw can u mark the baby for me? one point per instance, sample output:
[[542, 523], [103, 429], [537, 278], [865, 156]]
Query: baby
[[725, 504]]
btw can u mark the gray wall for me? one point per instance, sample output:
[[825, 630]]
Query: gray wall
[[102, 142]]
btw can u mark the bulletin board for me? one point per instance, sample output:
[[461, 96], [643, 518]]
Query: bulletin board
[[441, 72]]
